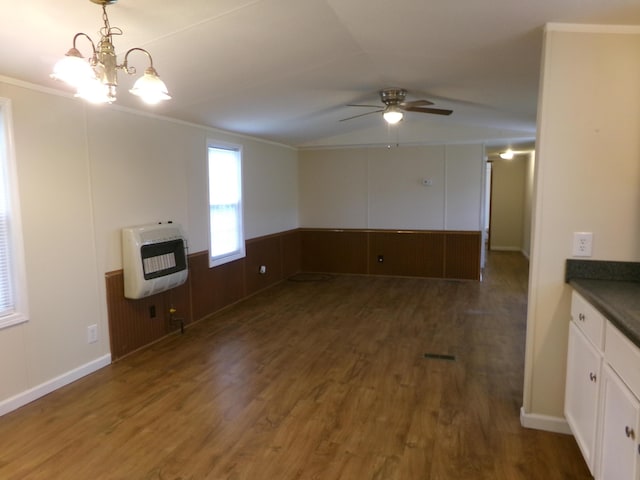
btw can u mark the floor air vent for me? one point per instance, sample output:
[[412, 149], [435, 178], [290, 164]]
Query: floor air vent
[[440, 356]]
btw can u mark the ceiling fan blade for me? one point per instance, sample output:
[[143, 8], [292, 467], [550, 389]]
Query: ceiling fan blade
[[361, 115], [415, 103], [361, 105], [436, 111]]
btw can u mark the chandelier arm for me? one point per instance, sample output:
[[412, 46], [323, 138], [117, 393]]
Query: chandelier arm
[[132, 70], [93, 46]]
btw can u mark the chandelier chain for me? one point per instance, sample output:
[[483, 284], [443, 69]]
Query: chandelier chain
[[107, 30]]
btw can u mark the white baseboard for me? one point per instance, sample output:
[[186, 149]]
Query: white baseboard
[[28, 396], [510, 249], [505, 249], [544, 422]]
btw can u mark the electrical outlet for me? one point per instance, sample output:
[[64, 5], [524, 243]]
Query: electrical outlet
[[92, 333], [582, 244]]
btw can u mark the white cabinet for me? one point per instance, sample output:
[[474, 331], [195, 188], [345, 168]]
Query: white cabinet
[[581, 395], [619, 430], [602, 394], [584, 365]]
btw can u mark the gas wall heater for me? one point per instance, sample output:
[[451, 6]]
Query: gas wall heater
[[154, 259]]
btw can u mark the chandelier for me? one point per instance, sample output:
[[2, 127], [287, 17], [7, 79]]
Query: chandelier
[[96, 79]]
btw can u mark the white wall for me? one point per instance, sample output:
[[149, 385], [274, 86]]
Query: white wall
[[528, 204], [383, 187], [587, 179], [84, 172], [54, 184], [464, 169], [157, 172]]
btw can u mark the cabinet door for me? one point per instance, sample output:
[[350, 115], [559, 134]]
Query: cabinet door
[[619, 440], [581, 394]]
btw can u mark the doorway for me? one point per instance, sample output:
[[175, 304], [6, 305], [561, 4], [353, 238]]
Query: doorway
[[510, 187]]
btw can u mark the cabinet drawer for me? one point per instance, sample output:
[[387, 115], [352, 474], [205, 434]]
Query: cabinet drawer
[[624, 358], [588, 319]]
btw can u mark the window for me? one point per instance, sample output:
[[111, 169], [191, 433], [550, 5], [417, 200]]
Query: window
[[13, 295], [226, 236]]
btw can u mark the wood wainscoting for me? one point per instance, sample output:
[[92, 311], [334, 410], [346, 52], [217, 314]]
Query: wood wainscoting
[[413, 253], [136, 323], [435, 254]]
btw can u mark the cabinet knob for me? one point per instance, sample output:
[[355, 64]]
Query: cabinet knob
[[592, 377], [629, 433], [581, 317]]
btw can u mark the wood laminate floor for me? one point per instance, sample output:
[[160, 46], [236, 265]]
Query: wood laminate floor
[[320, 378]]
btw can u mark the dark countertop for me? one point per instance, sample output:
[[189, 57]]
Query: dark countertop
[[613, 288], [618, 301]]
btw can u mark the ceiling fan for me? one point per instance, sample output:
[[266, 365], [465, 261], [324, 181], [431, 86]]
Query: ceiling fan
[[393, 99]]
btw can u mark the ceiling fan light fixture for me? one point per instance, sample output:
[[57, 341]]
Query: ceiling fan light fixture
[[394, 105], [392, 114]]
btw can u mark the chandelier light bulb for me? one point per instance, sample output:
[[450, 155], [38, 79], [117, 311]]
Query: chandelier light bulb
[[94, 91], [150, 88], [73, 69]]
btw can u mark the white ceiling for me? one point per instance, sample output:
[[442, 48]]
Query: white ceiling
[[284, 70]]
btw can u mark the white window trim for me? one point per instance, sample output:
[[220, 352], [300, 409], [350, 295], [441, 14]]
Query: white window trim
[[18, 269], [241, 252]]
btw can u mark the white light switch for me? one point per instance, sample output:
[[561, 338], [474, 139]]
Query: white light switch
[[582, 244]]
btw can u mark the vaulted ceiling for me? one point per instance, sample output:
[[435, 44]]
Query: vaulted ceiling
[[285, 70]]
